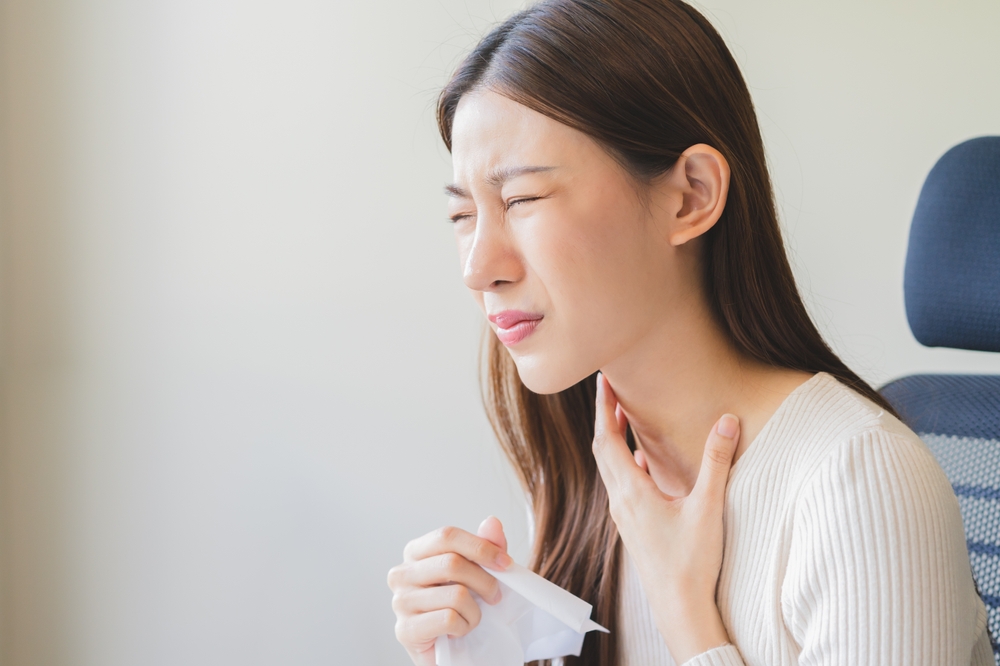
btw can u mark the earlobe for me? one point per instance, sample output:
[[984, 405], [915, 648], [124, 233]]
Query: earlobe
[[702, 177]]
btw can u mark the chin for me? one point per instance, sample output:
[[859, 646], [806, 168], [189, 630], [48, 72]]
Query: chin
[[546, 376]]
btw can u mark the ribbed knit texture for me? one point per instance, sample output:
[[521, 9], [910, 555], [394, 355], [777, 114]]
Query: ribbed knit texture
[[843, 546]]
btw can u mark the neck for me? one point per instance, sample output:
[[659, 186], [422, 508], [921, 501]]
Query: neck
[[676, 383]]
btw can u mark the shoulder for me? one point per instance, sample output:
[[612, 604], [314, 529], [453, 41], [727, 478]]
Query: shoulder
[[833, 429], [875, 532], [867, 464], [831, 445]]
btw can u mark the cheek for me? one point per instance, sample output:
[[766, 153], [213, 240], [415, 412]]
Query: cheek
[[592, 261], [604, 279]]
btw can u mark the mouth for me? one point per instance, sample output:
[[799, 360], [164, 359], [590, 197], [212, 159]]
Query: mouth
[[514, 325]]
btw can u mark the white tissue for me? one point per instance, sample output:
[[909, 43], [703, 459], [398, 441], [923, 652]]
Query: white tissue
[[535, 619]]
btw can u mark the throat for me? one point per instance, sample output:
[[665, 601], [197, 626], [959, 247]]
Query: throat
[[672, 465], [674, 443]]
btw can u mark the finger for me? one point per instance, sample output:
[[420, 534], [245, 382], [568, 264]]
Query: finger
[[425, 656], [608, 442], [444, 570], [614, 460], [419, 630], [620, 418], [640, 460], [454, 540], [430, 599], [718, 458], [492, 530]]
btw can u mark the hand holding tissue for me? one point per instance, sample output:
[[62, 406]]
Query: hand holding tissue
[[535, 619]]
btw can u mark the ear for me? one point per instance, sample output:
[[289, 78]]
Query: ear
[[697, 185]]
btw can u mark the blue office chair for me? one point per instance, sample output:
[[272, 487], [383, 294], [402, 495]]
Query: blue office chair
[[952, 292]]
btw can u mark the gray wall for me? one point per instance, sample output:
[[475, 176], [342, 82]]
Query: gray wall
[[237, 364]]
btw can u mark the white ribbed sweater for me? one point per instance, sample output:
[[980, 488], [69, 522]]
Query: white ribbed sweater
[[843, 546]]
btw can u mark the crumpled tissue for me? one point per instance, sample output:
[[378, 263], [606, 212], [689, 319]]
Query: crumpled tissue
[[535, 619]]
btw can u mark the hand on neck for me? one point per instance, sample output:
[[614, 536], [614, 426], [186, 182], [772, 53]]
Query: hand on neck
[[676, 383]]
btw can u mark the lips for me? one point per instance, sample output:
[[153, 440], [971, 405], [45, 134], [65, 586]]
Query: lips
[[514, 325]]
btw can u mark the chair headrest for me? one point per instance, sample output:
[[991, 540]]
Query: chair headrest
[[952, 280]]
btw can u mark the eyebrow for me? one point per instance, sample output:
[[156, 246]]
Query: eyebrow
[[497, 178]]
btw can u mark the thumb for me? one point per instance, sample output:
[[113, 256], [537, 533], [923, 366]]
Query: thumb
[[491, 530], [718, 458]]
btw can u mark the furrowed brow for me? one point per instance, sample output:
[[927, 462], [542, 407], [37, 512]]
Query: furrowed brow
[[496, 179], [500, 176]]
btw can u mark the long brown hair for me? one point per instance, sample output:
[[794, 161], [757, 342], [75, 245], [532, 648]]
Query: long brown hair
[[646, 79]]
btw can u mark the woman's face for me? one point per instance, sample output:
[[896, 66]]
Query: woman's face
[[564, 256]]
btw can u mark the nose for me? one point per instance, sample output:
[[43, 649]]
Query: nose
[[491, 259]]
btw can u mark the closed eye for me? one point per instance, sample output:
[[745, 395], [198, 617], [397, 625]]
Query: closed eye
[[514, 202], [508, 205]]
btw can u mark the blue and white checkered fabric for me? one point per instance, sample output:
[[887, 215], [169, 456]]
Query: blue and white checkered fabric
[[972, 466], [958, 416]]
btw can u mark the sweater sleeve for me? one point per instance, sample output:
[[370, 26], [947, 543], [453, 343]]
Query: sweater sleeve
[[878, 571]]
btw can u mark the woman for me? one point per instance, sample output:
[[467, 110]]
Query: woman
[[616, 223]]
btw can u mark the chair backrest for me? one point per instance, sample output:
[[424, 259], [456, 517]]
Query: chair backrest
[[952, 281], [952, 292]]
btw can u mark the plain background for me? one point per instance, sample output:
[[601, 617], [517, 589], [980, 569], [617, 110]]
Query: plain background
[[238, 365]]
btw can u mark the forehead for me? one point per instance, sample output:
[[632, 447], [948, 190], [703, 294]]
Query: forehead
[[490, 131]]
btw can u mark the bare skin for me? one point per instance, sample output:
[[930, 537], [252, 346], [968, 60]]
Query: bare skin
[[547, 222], [434, 586]]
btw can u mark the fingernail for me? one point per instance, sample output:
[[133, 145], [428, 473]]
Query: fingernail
[[496, 597], [503, 560], [728, 425]]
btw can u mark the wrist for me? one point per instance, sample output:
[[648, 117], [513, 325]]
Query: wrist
[[690, 625]]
